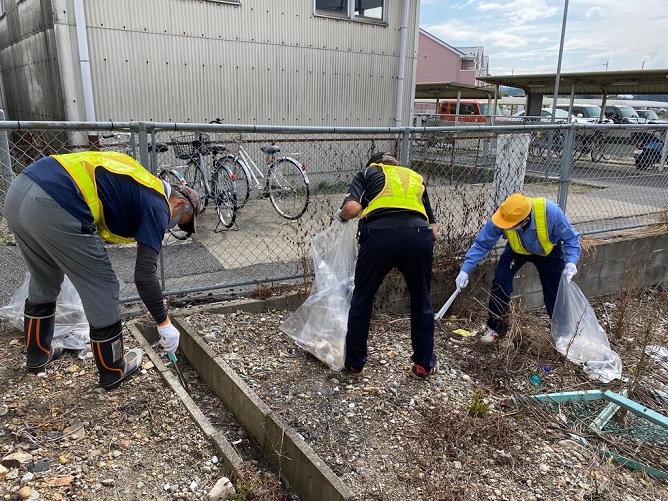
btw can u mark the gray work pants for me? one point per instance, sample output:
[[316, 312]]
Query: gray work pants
[[54, 243]]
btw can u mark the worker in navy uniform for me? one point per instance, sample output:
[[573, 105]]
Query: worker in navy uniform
[[538, 232], [61, 208], [397, 230]]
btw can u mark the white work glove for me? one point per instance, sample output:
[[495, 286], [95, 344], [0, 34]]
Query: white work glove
[[462, 279], [169, 336], [570, 270]]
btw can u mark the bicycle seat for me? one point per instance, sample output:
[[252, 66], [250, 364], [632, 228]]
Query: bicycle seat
[[217, 148], [159, 147], [270, 150]]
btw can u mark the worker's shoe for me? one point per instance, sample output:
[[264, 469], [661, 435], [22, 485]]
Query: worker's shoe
[[112, 364], [490, 336], [420, 373], [348, 369], [39, 321]]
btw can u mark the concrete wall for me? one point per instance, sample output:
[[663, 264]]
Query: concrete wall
[[612, 264]]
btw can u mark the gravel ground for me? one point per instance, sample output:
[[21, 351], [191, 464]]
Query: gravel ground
[[387, 436], [63, 437], [390, 437]]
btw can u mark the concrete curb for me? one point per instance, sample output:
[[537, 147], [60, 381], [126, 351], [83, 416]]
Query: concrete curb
[[231, 459], [294, 459]]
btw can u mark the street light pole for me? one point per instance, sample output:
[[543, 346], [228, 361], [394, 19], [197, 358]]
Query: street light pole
[[561, 53]]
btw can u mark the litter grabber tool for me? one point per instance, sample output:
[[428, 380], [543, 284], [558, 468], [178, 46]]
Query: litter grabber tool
[[172, 357], [441, 312]]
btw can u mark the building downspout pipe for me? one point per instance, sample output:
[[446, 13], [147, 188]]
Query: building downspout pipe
[[403, 31], [84, 60]]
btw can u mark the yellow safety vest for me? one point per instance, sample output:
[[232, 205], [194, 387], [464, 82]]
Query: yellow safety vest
[[540, 214], [81, 167], [403, 189]]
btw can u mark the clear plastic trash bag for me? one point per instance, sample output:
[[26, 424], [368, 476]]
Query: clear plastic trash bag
[[579, 337], [71, 331], [319, 325]]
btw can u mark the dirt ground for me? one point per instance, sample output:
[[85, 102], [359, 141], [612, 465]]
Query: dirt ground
[[393, 438], [387, 436]]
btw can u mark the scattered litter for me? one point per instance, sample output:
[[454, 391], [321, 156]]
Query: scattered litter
[[463, 332], [658, 353]]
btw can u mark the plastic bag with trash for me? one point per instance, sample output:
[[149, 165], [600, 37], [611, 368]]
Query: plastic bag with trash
[[319, 325], [71, 330], [579, 337]]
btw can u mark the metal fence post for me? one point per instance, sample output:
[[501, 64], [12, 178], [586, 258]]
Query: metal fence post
[[566, 165], [143, 146], [404, 146], [5, 159]]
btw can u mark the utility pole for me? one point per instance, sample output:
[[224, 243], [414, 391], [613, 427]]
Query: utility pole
[[561, 53], [606, 64]]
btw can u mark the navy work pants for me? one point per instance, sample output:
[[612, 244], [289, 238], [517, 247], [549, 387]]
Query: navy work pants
[[549, 269], [410, 249]]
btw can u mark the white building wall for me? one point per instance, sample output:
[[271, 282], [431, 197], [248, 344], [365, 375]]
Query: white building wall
[[264, 62]]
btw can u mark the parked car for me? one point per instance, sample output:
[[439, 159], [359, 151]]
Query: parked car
[[621, 114], [590, 112], [649, 117], [560, 116], [470, 110], [648, 149]]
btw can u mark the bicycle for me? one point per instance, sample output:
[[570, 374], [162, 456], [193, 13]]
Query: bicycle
[[591, 144], [216, 185], [284, 180]]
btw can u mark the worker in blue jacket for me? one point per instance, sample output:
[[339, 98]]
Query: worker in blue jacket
[[538, 232], [62, 209]]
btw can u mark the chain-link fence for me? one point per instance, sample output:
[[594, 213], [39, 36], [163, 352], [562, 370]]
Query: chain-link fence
[[288, 181]]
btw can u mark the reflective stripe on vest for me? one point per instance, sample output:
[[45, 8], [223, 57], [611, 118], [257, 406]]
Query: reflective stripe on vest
[[403, 189], [81, 168], [540, 214]]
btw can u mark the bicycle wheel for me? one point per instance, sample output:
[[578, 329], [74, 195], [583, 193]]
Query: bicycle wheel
[[597, 149], [224, 196], [241, 175], [194, 179], [288, 188], [172, 177], [536, 147]]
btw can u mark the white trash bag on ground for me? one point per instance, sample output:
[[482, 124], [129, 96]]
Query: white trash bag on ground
[[579, 337], [319, 325], [71, 331]]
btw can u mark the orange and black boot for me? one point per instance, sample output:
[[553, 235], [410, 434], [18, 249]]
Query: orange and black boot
[[38, 324], [113, 366]]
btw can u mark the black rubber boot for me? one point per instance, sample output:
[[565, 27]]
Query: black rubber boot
[[113, 366], [38, 323]]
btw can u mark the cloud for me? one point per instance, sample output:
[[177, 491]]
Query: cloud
[[525, 34]]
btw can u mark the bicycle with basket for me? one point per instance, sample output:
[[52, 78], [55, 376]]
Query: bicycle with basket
[[215, 184]]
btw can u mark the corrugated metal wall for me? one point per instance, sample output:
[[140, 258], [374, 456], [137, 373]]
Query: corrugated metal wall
[[28, 62], [265, 62]]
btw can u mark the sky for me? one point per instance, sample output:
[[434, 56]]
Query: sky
[[522, 36]]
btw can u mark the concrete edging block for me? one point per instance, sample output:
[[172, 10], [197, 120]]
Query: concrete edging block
[[231, 459], [306, 473], [248, 409], [305, 470]]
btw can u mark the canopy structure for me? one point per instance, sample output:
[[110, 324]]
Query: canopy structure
[[600, 82], [452, 90]]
